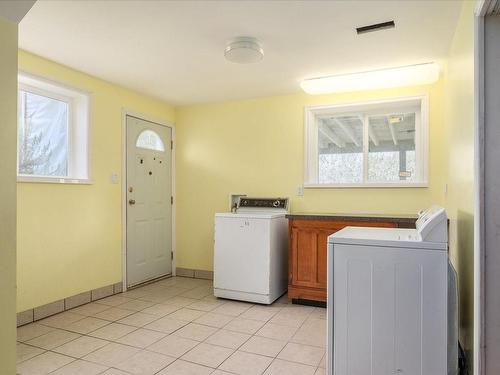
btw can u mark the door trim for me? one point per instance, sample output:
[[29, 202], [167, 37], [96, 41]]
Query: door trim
[[141, 116], [479, 356]]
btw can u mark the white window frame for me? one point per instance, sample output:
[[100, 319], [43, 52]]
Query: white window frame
[[78, 132], [370, 108]]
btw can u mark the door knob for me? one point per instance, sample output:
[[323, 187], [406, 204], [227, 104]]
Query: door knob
[[131, 201]]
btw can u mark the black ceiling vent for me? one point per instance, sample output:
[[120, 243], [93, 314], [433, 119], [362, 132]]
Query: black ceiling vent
[[375, 27]]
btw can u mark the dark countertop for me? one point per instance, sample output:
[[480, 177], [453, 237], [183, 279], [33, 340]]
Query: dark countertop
[[408, 219]]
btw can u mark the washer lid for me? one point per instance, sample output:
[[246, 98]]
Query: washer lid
[[387, 237]]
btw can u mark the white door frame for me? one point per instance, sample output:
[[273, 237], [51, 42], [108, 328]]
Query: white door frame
[[478, 289], [480, 12], [141, 116]]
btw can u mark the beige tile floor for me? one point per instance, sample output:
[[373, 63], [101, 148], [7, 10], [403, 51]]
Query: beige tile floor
[[175, 327]]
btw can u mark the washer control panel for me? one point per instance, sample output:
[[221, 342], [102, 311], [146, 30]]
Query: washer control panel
[[263, 203]]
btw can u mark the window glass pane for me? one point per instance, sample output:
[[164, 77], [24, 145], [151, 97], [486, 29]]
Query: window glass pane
[[42, 136], [148, 139], [340, 150], [391, 156]]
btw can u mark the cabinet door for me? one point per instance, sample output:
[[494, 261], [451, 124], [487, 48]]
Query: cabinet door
[[303, 257], [308, 249], [322, 251], [309, 257]]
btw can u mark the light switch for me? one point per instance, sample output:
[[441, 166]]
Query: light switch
[[115, 178]]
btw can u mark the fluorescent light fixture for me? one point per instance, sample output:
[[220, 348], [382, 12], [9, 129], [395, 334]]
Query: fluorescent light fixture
[[410, 75], [396, 119]]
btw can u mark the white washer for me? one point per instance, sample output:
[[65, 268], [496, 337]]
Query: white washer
[[251, 251], [388, 289]]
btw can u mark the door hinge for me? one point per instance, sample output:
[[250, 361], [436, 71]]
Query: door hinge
[[171, 200], [171, 145], [171, 255]]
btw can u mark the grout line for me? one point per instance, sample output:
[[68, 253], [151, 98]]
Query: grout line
[[44, 351], [198, 299]]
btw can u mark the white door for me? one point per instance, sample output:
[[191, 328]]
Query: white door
[[149, 205]]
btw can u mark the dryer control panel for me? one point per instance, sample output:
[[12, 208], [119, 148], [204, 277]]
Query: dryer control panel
[[432, 224]]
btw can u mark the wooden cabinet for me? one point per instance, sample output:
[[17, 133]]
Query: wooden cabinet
[[307, 257]]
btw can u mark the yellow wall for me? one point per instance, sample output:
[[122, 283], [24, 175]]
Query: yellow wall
[[69, 236], [8, 126], [459, 94], [251, 146], [257, 147]]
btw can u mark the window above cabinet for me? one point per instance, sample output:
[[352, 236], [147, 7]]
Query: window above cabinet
[[371, 144]]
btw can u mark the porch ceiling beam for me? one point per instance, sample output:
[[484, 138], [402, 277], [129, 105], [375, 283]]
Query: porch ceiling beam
[[331, 136], [393, 132], [371, 132], [348, 131], [373, 136]]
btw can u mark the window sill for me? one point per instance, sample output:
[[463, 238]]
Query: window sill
[[54, 180], [367, 185]]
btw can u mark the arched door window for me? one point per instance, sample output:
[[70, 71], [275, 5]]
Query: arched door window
[[150, 140]]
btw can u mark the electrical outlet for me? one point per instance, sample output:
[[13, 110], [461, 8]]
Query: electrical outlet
[[115, 178], [300, 191]]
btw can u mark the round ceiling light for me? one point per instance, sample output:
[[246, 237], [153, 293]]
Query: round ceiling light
[[244, 50]]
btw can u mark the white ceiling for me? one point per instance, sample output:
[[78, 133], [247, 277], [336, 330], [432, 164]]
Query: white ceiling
[[15, 10], [174, 50]]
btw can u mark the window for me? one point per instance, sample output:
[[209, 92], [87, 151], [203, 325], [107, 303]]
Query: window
[[149, 140], [52, 132], [381, 143]]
